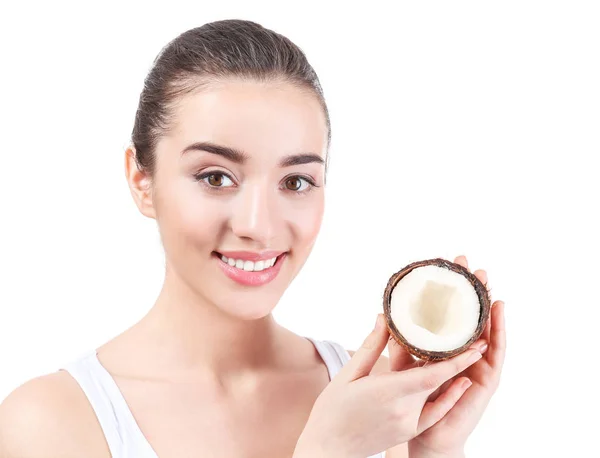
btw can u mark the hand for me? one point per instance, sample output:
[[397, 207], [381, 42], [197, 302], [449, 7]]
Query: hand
[[448, 437], [360, 414]]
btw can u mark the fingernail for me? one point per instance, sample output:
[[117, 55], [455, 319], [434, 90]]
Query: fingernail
[[466, 384], [379, 322], [476, 356], [481, 348]]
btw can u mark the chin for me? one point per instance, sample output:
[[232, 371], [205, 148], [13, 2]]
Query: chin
[[246, 302], [245, 311]]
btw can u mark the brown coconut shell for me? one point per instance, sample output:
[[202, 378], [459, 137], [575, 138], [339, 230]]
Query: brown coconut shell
[[484, 311]]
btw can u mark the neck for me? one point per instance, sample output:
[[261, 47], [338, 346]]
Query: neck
[[186, 334]]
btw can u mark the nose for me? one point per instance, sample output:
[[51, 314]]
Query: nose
[[254, 214]]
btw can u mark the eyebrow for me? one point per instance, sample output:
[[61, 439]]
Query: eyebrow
[[240, 157]]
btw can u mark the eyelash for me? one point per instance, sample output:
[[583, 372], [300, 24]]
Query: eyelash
[[200, 178]]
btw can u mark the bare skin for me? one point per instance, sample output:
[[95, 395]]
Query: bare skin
[[208, 372], [54, 411]]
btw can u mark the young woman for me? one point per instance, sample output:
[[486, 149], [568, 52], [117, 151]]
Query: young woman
[[228, 155]]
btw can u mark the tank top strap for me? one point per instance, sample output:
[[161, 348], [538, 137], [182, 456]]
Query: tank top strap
[[120, 429], [341, 352], [333, 355]]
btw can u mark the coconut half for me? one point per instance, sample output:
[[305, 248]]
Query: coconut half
[[435, 308]]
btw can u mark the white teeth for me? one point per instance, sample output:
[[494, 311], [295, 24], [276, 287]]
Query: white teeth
[[249, 266]]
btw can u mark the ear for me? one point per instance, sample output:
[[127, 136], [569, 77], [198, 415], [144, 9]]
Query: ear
[[140, 184]]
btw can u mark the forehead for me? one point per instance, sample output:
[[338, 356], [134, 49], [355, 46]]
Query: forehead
[[262, 118]]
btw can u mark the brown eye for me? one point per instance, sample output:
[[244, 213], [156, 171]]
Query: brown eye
[[295, 186], [214, 181], [299, 185]]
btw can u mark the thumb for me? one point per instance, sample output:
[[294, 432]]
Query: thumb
[[366, 356], [400, 358]]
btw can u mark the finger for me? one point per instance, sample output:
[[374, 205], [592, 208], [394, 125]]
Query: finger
[[482, 275], [437, 393], [497, 349], [481, 345], [400, 358], [362, 362], [429, 378], [434, 411], [462, 260]]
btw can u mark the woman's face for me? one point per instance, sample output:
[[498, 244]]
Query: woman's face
[[258, 200]]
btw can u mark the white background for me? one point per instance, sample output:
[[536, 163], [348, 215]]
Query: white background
[[458, 128]]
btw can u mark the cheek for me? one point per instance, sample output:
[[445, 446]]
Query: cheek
[[187, 217], [307, 220]]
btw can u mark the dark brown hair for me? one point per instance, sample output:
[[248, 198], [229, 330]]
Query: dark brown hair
[[199, 56]]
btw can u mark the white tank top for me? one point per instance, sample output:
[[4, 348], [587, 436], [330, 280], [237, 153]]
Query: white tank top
[[122, 433]]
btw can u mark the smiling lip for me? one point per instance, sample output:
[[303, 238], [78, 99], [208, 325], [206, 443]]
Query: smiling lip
[[250, 256], [247, 278]]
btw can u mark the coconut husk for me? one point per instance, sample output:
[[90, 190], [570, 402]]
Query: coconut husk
[[484, 311]]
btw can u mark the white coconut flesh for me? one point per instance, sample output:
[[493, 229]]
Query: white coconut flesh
[[434, 308]]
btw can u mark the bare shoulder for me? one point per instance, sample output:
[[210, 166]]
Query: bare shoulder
[[382, 364], [50, 416]]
